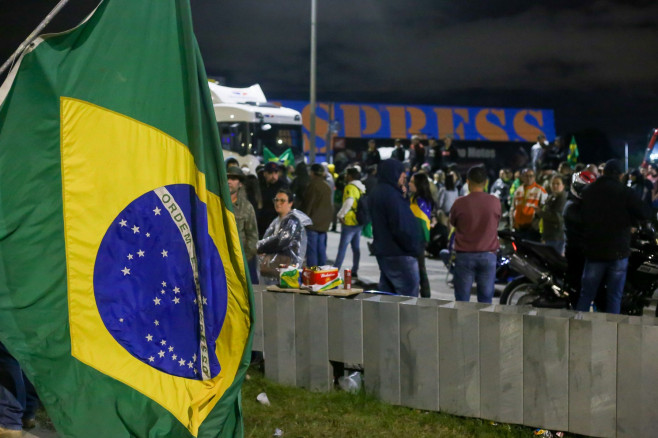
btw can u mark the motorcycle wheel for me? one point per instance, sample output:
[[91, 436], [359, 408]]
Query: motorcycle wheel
[[519, 292]]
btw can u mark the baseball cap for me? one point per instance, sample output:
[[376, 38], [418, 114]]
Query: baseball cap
[[271, 167]]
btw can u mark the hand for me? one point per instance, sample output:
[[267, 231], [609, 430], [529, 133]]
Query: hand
[[404, 189]]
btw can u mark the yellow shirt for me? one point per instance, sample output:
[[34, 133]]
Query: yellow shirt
[[351, 191]]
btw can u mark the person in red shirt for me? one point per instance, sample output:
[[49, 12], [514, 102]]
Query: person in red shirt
[[475, 218]]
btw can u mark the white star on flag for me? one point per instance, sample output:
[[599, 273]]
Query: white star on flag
[[125, 271], [205, 300], [156, 210], [190, 364], [194, 358], [148, 234], [171, 348], [164, 283], [130, 256], [176, 290], [176, 300], [156, 301], [174, 357], [161, 353], [135, 229], [163, 342], [151, 359], [162, 291], [156, 322], [123, 223], [140, 253], [181, 362], [149, 338], [164, 253]]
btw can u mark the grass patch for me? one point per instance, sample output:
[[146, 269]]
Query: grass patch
[[301, 413]]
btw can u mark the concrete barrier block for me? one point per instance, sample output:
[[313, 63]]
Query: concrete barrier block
[[311, 342], [257, 342], [279, 337], [346, 329], [381, 346], [546, 368], [593, 374], [637, 378], [459, 365], [501, 363], [419, 353]]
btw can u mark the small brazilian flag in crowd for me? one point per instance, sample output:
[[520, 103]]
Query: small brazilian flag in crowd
[[572, 158], [286, 158], [123, 290]]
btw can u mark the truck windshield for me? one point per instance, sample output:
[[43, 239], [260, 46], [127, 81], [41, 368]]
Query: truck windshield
[[251, 138]]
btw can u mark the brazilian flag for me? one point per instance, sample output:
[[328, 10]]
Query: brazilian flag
[[572, 158], [286, 158], [123, 290]]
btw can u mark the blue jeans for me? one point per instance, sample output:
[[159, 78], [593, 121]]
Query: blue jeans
[[18, 398], [478, 266], [399, 275], [594, 272], [349, 234], [252, 266], [316, 248]]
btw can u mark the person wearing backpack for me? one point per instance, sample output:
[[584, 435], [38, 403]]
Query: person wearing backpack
[[349, 213]]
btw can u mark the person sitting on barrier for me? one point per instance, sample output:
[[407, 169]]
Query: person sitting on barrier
[[475, 218], [284, 241]]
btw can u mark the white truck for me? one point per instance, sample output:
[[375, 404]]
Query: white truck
[[251, 129]]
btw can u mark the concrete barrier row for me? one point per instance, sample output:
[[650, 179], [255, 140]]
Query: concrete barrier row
[[591, 374]]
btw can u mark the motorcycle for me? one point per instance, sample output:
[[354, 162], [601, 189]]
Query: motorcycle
[[543, 280]]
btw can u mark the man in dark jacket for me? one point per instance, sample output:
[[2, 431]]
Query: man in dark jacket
[[609, 210], [318, 206], [398, 153], [396, 241], [270, 184]]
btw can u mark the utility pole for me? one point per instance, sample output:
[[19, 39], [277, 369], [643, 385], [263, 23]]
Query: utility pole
[[312, 150]]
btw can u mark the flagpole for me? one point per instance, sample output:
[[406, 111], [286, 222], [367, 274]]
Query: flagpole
[[33, 35]]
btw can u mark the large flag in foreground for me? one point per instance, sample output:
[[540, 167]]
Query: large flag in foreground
[[122, 281]]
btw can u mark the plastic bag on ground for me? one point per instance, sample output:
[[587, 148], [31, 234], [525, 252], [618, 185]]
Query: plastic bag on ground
[[351, 383]]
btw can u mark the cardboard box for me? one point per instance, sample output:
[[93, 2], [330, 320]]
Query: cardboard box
[[319, 275]]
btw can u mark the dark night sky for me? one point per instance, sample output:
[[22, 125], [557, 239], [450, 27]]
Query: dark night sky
[[593, 62]]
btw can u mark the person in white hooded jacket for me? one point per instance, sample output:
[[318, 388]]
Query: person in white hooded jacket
[[350, 231]]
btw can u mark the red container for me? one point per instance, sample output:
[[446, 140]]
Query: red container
[[347, 279], [318, 276]]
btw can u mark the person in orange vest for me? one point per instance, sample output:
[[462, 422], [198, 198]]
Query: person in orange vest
[[527, 198]]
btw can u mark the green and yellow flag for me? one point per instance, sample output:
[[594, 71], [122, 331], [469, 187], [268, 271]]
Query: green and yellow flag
[[123, 289], [572, 158], [287, 158]]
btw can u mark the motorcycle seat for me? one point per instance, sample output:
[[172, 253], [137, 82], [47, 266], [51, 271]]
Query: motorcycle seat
[[547, 253]]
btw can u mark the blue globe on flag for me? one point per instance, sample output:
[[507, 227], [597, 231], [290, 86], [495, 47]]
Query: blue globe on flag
[[160, 285]]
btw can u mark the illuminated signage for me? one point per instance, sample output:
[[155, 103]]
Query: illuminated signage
[[367, 120]]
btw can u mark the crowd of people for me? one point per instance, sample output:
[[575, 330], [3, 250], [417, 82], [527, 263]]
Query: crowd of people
[[418, 202]]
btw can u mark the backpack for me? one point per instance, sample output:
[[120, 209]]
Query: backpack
[[362, 212]]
